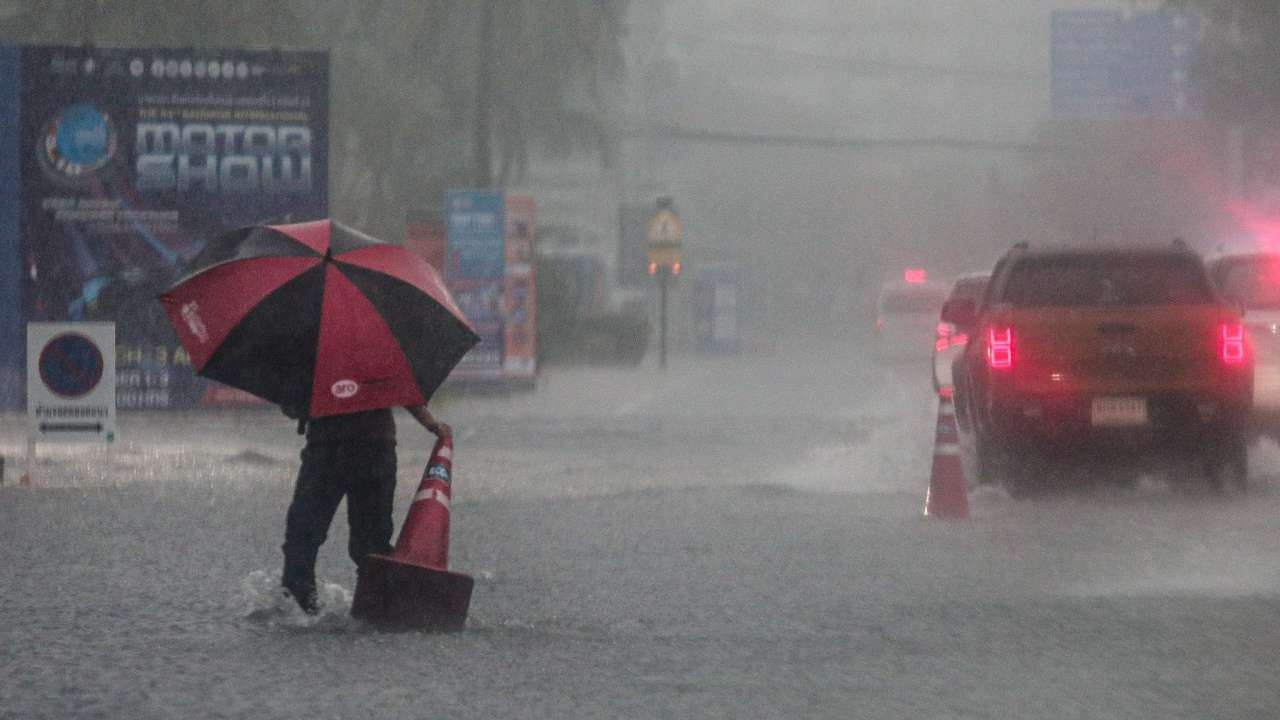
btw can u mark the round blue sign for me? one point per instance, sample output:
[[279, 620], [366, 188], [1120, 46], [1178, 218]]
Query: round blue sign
[[78, 142], [84, 136], [71, 365]]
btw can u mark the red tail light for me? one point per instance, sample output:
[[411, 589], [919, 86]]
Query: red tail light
[[1000, 348], [1232, 343], [942, 337]]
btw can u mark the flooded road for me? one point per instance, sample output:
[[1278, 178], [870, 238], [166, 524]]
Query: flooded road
[[736, 538]]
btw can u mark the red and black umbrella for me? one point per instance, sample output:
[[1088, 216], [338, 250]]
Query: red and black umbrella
[[319, 318]]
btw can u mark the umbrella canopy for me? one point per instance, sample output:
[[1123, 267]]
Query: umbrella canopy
[[319, 318]]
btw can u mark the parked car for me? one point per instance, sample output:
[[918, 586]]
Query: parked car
[[1252, 280], [1112, 354], [949, 338]]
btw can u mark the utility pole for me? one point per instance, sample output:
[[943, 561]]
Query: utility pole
[[484, 99]]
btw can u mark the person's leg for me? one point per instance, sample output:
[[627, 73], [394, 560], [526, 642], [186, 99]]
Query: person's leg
[[370, 476], [315, 499]]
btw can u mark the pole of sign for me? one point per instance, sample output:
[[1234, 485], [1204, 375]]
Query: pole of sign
[[29, 476], [665, 235], [662, 324]]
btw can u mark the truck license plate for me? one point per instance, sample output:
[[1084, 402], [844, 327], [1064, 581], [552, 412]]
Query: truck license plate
[[1119, 411]]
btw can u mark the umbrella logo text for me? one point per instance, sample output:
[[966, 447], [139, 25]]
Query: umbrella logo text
[[191, 315], [344, 389]]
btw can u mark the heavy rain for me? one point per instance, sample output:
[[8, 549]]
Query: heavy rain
[[827, 358]]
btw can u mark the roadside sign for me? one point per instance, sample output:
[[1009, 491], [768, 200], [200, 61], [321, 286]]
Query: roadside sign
[[71, 381], [1107, 62], [665, 235], [665, 228]]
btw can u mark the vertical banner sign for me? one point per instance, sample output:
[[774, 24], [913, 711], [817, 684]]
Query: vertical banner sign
[[11, 319], [476, 259], [71, 381], [519, 302], [132, 159]]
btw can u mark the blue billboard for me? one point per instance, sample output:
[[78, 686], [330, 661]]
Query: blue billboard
[[130, 161], [1125, 62], [475, 234]]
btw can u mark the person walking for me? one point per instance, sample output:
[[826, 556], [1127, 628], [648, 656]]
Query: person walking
[[351, 455]]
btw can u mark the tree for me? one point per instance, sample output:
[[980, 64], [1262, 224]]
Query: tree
[[1240, 66]]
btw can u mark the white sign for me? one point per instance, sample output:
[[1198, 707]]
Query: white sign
[[71, 381]]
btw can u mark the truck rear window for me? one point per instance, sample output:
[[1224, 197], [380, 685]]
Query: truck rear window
[[1112, 280]]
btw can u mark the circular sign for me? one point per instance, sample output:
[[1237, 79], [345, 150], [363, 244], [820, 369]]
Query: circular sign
[[71, 365], [78, 142]]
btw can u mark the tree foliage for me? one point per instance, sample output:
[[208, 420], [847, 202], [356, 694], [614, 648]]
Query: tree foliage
[[406, 86], [1240, 64]]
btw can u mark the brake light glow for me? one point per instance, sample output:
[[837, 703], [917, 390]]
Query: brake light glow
[[1000, 348], [915, 276], [942, 337], [1232, 343]]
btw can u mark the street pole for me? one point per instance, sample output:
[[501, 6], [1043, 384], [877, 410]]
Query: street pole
[[482, 164], [662, 324]]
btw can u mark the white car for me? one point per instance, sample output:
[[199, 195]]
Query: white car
[[1252, 280]]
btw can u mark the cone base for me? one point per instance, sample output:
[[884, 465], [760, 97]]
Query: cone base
[[398, 594]]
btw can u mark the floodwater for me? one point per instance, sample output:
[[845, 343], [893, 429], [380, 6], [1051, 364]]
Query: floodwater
[[737, 538]]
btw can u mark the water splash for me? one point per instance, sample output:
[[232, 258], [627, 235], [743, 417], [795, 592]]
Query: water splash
[[264, 601]]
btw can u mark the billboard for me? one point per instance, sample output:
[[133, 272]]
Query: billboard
[[483, 244], [1111, 61], [519, 360], [131, 160]]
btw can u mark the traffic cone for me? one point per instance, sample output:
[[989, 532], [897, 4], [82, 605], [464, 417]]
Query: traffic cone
[[424, 537], [412, 587], [948, 497]]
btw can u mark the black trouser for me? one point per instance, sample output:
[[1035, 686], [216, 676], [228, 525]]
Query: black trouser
[[362, 470]]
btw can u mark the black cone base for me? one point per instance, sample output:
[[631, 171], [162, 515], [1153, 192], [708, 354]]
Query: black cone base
[[397, 594]]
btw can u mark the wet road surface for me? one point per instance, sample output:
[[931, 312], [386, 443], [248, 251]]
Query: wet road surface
[[737, 538]]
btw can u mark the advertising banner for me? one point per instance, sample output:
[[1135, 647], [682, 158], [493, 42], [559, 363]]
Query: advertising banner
[[1123, 61], [519, 360], [477, 234], [481, 303], [487, 255], [476, 262], [133, 159]]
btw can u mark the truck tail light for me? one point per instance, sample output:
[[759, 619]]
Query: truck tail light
[[1000, 348], [1232, 343]]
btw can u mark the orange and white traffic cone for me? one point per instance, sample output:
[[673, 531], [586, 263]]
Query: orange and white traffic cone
[[424, 537], [412, 587], [948, 496]]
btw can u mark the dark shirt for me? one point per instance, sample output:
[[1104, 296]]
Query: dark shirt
[[370, 425]]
